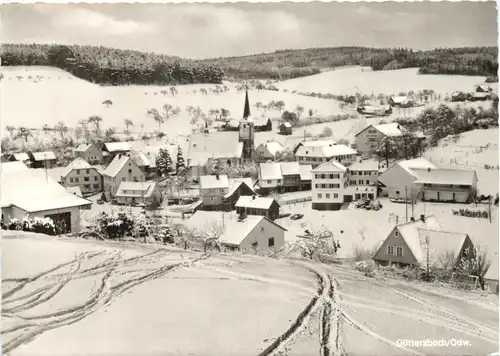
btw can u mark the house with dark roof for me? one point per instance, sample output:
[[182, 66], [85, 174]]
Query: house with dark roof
[[46, 159], [21, 156], [121, 169], [246, 233], [31, 192], [80, 173], [401, 101], [238, 187], [263, 124], [89, 152], [424, 242], [256, 205], [291, 176], [268, 151], [285, 128]]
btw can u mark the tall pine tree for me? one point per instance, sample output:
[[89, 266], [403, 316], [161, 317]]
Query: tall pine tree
[[161, 163], [180, 165], [168, 161]]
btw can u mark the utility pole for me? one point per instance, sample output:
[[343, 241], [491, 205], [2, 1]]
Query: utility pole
[[489, 207], [305, 135], [413, 198], [427, 257], [46, 169], [406, 202]]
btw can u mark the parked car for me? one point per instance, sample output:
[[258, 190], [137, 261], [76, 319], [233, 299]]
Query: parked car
[[296, 216], [100, 201]]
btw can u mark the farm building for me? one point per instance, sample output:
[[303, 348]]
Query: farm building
[[21, 156], [43, 159], [213, 188], [320, 151], [14, 166], [270, 177], [80, 173], [305, 176], [401, 175], [491, 276], [112, 149], [254, 205], [369, 139], [459, 96], [329, 181], [483, 88], [401, 101], [32, 193], [380, 110], [221, 148], [480, 96], [446, 185], [243, 233], [121, 169], [131, 193], [285, 128], [263, 124], [237, 187], [416, 242], [291, 176], [89, 152], [268, 151]]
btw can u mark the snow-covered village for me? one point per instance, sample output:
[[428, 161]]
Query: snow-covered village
[[298, 195]]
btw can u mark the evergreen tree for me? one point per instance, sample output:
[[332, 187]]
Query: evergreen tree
[[180, 165], [168, 162], [161, 164]]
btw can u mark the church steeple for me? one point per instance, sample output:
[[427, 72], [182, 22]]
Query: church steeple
[[246, 110]]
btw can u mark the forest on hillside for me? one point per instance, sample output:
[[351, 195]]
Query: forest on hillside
[[109, 66], [284, 64]]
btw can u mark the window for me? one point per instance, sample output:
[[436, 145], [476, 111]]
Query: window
[[86, 179], [335, 195], [399, 251], [76, 179], [96, 186], [336, 176], [255, 245], [367, 173], [327, 195], [95, 178], [268, 182], [135, 179], [390, 250], [323, 176], [319, 195], [87, 171], [352, 182], [262, 228], [396, 233], [323, 186], [271, 242], [361, 182], [372, 139], [354, 173], [87, 186], [129, 171], [397, 192], [71, 180], [77, 171], [123, 179]]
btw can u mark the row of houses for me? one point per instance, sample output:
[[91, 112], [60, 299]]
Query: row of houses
[[284, 177]]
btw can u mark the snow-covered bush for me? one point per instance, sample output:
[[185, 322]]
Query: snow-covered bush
[[38, 225]]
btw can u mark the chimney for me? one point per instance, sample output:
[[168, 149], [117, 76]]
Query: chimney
[[422, 217], [398, 127], [428, 169], [253, 197], [243, 214], [412, 219], [217, 176]]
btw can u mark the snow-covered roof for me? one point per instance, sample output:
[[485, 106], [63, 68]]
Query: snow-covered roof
[[140, 158], [364, 165], [254, 202], [270, 171], [305, 172], [286, 124], [83, 147], [409, 232], [416, 163], [44, 156], [492, 272], [14, 166], [235, 183], [214, 182], [273, 147], [330, 166], [478, 94], [444, 176], [77, 163], [203, 147], [33, 191], [392, 129], [290, 168], [399, 99], [75, 190], [261, 121], [136, 189], [117, 147], [323, 149], [21, 156], [116, 165]]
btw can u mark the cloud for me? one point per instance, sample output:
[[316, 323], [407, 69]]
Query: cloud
[[84, 20]]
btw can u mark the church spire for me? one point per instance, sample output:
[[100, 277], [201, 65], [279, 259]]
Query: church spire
[[246, 110]]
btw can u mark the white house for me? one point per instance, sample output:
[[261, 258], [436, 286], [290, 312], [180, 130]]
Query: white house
[[268, 150], [13, 166], [33, 193], [329, 182], [244, 233], [121, 169], [321, 151], [80, 173], [131, 193], [270, 176], [89, 152], [398, 179], [213, 188]]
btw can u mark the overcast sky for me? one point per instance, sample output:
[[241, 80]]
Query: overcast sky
[[220, 30]]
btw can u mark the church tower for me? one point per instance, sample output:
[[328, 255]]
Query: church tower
[[247, 130]]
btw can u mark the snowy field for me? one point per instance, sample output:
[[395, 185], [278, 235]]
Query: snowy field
[[352, 80], [75, 297]]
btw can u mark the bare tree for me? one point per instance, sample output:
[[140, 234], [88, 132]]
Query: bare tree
[[11, 130], [96, 121], [107, 103], [61, 128], [24, 132]]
